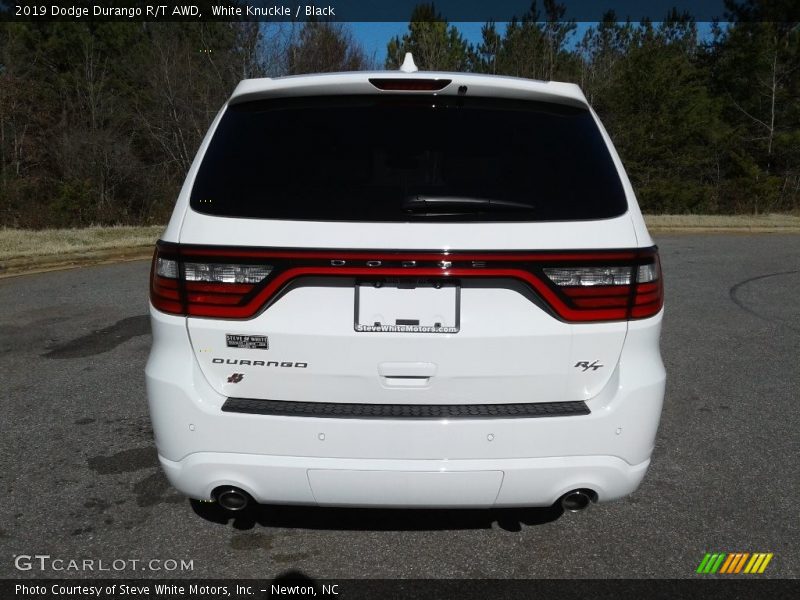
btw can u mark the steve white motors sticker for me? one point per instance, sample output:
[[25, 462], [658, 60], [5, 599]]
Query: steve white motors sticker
[[250, 342]]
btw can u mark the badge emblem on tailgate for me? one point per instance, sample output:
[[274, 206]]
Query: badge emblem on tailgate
[[250, 342]]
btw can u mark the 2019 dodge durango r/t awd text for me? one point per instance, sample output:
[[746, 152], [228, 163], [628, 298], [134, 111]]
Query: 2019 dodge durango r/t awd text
[[406, 289]]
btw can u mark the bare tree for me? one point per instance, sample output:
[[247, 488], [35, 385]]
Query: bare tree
[[325, 47]]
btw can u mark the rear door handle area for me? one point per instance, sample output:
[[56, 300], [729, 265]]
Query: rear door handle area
[[406, 374]]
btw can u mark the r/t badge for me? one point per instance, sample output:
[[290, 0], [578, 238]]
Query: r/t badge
[[586, 365]]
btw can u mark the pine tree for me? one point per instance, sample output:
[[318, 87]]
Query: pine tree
[[435, 45], [756, 73]]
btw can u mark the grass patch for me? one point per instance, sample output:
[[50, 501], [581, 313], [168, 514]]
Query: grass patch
[[69, 244], [24, 243], [771, 222]]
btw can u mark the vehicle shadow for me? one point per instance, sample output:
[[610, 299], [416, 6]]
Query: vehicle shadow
[[375, 519]]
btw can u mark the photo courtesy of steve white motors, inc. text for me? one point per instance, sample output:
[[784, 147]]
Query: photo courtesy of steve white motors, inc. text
[[124, 589], [194, 590]]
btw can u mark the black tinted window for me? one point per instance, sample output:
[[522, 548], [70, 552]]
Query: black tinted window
[[408, 158]]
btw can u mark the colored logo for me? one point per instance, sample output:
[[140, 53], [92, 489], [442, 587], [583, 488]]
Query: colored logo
[[732, 563]]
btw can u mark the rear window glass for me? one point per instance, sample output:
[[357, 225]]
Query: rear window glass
[[407, 158]]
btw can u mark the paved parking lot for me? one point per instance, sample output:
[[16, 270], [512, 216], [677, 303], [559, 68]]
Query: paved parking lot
[[80, 478]]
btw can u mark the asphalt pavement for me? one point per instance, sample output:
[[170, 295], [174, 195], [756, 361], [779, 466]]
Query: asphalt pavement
[[80, 479]]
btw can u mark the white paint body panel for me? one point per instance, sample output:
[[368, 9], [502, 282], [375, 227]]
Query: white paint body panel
[[507, 350], [610, 233], [201, 448], [450, 489]]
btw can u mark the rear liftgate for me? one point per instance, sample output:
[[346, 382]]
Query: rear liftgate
[[406, 334]]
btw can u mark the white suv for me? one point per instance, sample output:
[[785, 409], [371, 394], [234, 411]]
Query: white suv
[[406, 289]]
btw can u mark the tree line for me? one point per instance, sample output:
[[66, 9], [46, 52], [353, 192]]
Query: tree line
[[99, 122]]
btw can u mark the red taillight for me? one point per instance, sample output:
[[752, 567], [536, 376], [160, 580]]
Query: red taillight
[[237, 283], [204, 286], [165, 293], [595, 291], [410, 85]]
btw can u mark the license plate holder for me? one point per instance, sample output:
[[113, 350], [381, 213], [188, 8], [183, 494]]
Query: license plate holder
[[403, 307]]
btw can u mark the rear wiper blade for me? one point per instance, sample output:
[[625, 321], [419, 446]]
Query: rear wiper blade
[[433, 203]]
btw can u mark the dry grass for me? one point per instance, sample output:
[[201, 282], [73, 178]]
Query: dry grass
[[755, 223], [23, 243]]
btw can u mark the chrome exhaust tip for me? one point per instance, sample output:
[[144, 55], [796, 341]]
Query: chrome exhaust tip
[[576, 500], [232, 498]]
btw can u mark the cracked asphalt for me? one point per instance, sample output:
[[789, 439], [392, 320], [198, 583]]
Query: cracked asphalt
[[80, 479]]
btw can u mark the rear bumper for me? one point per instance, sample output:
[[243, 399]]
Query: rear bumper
[[404, 483], [438, 462]]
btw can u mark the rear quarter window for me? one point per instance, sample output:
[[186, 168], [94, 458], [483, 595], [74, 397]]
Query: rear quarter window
[[401, 158]]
